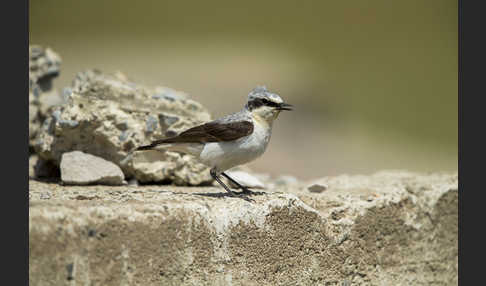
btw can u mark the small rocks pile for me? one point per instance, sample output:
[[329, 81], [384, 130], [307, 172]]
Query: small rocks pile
[[103, 117], [107, 116]]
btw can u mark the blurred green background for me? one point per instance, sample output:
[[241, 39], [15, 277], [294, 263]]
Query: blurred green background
[[374, 83]]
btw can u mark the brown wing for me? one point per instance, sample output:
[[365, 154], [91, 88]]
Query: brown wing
[[215, 131], [210, 132]]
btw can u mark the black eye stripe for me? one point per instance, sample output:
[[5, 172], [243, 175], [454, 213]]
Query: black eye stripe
[[269, 103], [257, 102]]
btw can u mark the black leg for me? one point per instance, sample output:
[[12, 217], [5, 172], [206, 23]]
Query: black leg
[[215, 176], [245, 189]]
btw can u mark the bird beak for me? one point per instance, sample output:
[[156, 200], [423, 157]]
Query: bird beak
[[284, 106]]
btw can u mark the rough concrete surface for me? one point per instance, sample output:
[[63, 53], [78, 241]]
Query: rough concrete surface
[[390, 228]]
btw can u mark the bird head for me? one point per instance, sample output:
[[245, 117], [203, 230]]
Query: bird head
[[264, 104]]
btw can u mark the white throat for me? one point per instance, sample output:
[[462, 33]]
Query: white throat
[[264, 117]]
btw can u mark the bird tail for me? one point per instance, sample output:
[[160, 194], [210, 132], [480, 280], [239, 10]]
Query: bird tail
[[152, 146], [145, 147], [172, 144], [156, 144], [187, 148]]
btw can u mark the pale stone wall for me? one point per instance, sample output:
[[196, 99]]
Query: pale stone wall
[[390, 228]]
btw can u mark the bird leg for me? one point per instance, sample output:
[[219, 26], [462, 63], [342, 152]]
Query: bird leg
[[245, 189], [215, 176]]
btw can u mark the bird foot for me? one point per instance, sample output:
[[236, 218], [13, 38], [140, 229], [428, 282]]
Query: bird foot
[[244, 197], [246, 191], [241, 195]]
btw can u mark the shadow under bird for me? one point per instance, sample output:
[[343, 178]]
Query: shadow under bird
[[231, 140]]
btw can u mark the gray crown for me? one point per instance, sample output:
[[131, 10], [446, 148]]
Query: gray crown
[[262, 92]]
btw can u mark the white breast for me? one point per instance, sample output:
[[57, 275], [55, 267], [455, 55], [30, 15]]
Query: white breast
[[225, 155]]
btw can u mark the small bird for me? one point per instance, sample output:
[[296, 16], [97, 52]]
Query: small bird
[[231, 140]]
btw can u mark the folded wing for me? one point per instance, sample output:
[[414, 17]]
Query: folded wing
[[209, 132]]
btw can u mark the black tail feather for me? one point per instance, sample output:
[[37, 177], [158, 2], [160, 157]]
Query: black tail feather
[[154, 144], [145, 147]]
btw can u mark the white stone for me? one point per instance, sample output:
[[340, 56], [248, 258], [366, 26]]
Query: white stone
[[245, 179], [78, 168]]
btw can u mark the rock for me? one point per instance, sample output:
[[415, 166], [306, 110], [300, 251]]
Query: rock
[[44, 66], [245, 179], [78, 168], [169, 235], [108, 116], [317, 188]]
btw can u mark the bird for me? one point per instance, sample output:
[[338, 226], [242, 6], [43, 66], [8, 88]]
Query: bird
[[231, 140]]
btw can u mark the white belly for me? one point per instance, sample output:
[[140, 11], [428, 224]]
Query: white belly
[[225, 155]]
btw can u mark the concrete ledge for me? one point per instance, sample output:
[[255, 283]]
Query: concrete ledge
[[391, 228]]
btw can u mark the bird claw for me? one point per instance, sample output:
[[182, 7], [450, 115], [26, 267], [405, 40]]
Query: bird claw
[[241, 196], [246, 191]]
